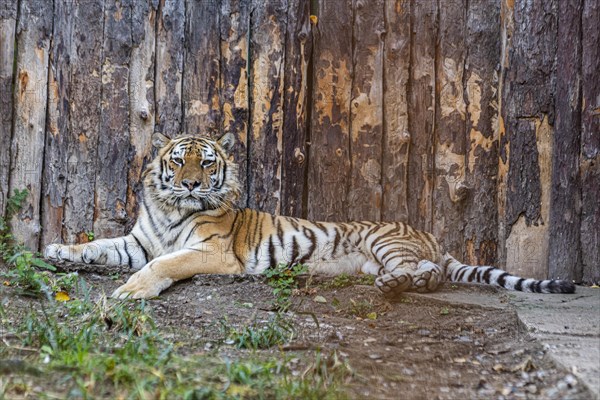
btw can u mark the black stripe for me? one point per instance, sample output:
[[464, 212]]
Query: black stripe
[[373, 230], [486, 274], [472, 275], [501, 280], [311, 236], [463, 270], [182, 220], [127, 252], [141, 247], [519, 284], [336, 242], [118, 253], [258, 243], [272, 260], [294, 250]]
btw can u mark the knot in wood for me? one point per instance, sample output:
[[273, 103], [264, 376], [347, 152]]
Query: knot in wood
[[144, 115], [302, 36], [299, 155]]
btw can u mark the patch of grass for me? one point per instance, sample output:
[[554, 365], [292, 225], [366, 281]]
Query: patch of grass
[[283, 280], [259, 335], [345, 280], [362, 309]]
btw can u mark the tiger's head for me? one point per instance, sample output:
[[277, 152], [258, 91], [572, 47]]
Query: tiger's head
[[193, 173]]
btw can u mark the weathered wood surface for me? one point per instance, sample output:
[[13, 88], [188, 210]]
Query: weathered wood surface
[[590, 143], [475, 119], [481, 77], [169, 36], [201, 72], [268, 25], [528, 115], [565, 214], [295, 112], [450, 126], [8, 23], [422, 103], [235, 101], [329, 151], [396, 134], [29, 125], [110, 214]]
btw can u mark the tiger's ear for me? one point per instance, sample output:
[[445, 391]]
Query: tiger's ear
[[159, 140], [227, 141]]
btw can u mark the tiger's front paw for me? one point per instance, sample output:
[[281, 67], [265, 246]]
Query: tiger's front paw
[[54, 252], [144, 284]]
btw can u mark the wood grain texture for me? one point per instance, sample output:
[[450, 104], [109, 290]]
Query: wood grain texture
[[268, 25], [329, 166], [564, 252], [590, 143], [201, 73], [396, 136], [449, 190], [34, 30], [58, 125], [8, 23], [235, 101], [141, 99], [483, 39], [422, 103], [526, 148], [170, 34], [366, 111], [298, 47], [110, 214], [84, 115]]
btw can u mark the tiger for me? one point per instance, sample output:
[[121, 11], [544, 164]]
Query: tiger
[[188, 224]]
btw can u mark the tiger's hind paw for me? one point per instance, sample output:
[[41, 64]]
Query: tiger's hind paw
[[394, 282]]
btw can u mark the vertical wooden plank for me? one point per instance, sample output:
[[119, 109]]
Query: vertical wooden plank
[[8, 22], [450, 121], [297, 54], [526, 148], [396, 137], [110, 217], [267, 52], [421, 120], [481, 77], [329, 165], [366, 120], [234, 82], [169, 66], [201, 68], [31, 87], [564, 256], [84, 114], [141, 98], [58, 126], [590, 142]]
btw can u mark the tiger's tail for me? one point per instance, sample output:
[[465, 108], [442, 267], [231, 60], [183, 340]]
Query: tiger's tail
[[458, 272]]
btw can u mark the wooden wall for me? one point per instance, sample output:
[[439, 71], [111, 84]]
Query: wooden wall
[[476, 120]]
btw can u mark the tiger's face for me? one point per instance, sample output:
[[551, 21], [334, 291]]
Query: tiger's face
[[194, 173]]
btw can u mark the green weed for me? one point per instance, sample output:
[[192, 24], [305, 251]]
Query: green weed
[[344, 280], [283, 280], [259, 335]]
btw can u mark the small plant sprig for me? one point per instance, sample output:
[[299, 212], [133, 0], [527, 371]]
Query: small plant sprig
[[283, 280]]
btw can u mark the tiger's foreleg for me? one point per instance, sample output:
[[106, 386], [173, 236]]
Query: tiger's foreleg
[[125, 250], [161, 272]]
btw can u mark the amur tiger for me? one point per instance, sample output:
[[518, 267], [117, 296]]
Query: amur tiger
[[188, 225]]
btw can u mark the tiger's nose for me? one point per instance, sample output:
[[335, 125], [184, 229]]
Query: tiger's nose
[[190, 184]]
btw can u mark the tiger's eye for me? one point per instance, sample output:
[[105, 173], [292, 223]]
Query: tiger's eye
[[207, 163], [177, 160]]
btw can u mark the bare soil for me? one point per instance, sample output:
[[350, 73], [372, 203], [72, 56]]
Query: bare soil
[[410, 347]]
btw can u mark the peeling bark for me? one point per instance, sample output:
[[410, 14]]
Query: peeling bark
[[235, 102], [201, 72], [110, 214], [396, 137], [34, 30], [450, 120], [298, 46], [329, 167], [366, 118], [482, 131], [267, 52], [8, 22], [590, 143], [422, 104], [169, 67]]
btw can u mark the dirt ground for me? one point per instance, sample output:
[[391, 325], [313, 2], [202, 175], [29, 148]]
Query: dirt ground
[[410, 347]]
